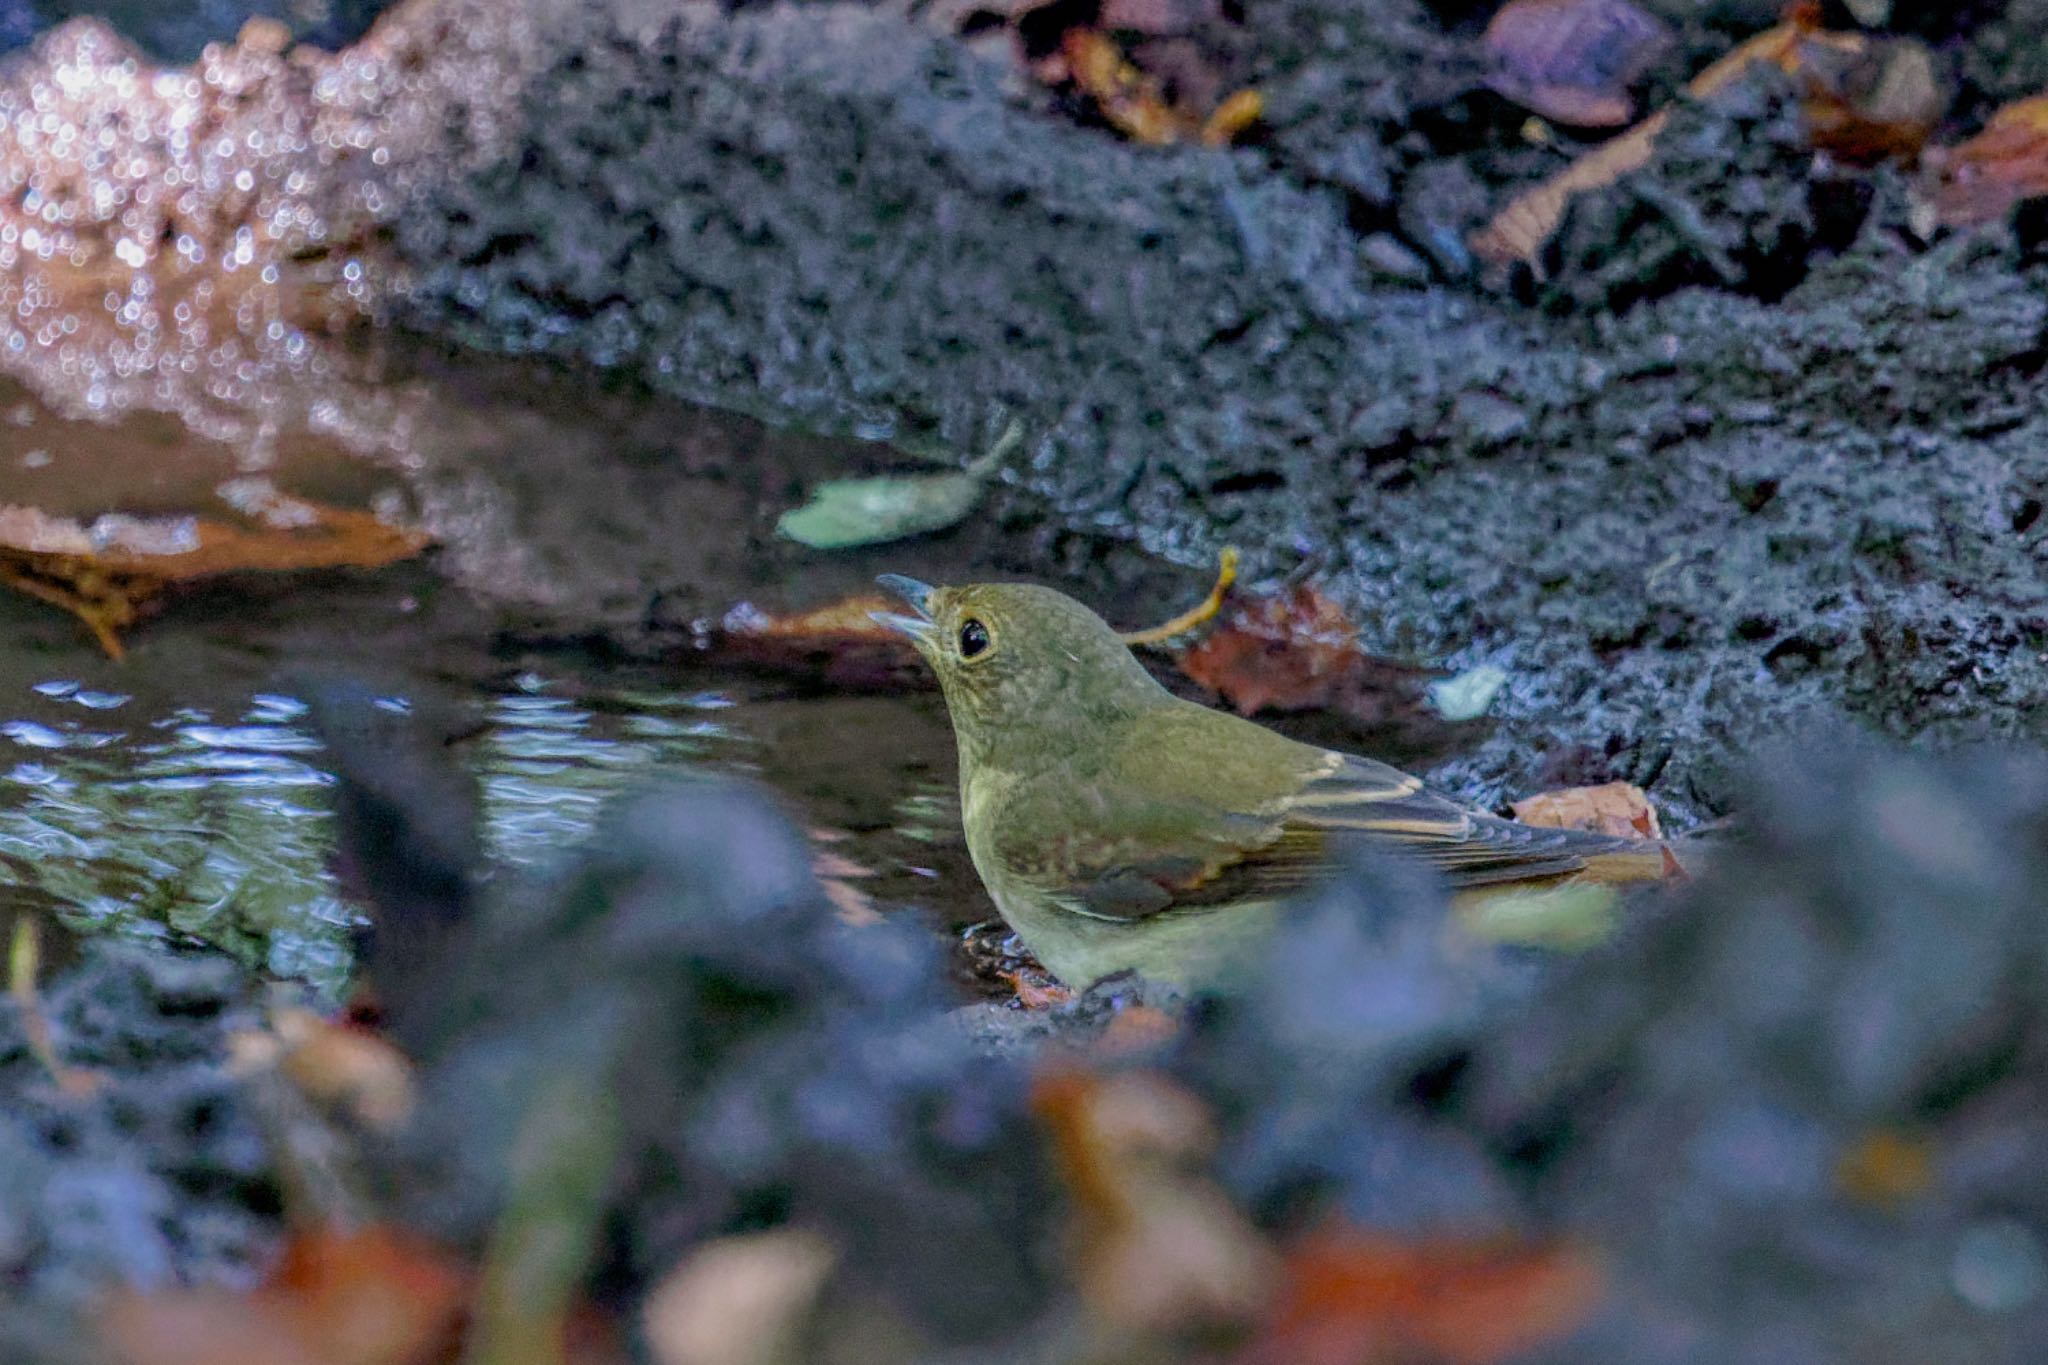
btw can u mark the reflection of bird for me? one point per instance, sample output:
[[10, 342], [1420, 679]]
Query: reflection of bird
[[1119, 827]]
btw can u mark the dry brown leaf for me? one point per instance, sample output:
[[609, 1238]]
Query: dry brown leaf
[[1296, 650], [740, 1300], [378, 1296], [107, 573], [1518, 232], [1357, 1298], [1573, 61], [1617, 808], [1158, 1249], [838, 645], [1982, 179]]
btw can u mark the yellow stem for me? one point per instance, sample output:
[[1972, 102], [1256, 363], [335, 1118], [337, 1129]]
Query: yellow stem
[[1226, 574]]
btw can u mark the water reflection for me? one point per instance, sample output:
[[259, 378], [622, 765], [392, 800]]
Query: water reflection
[[212, 822]]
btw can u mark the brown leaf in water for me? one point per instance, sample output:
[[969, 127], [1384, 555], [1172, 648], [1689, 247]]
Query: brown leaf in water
[[838, 644], [108, 572], [1296, 650], [1573, 61], [1617, 808], [378, 1296], [1982, 179], [1351, 1297]]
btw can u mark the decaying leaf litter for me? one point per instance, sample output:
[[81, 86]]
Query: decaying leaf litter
[[1535, 1289]]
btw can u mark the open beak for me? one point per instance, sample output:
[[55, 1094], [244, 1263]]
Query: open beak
[[919, 595]]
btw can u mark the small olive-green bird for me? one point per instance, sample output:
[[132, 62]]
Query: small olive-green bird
[[1119, 827]]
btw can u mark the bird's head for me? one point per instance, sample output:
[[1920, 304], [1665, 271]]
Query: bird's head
[[1015, 659]]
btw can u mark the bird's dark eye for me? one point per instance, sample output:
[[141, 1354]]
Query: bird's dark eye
[[973, 638]]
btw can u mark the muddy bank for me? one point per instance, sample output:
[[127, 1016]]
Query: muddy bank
[[1677, 527]]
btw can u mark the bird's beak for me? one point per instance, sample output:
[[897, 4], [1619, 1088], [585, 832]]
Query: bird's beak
[[919, 595]]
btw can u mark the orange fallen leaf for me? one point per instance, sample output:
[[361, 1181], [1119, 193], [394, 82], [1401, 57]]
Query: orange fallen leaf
[[1350, 1297], [1982, 179], [378, 1296], [1573, 61], [107, 573], [1617, 808]]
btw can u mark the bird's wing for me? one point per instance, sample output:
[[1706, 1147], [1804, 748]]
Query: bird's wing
[[1125, 855], [1470, 848]]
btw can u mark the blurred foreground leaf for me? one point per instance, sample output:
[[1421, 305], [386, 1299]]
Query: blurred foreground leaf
[[1357, 1298], [377, 1296]]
